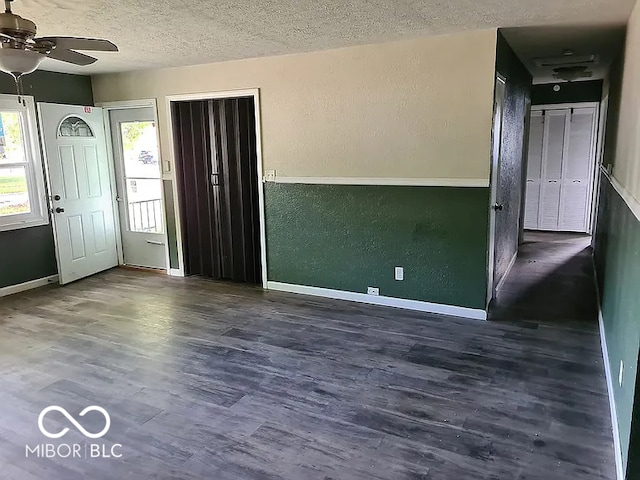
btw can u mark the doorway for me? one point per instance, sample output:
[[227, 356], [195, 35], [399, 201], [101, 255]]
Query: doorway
[[139, 197], [218, 176], [561, 168], [558, 189]]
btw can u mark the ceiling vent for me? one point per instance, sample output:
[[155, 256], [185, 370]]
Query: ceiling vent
[[566, 60], [571, 74]]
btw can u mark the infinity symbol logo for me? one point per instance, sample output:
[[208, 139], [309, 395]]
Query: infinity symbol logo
[[63, 432]]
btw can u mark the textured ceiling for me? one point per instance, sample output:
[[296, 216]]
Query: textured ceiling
[[529, 43], [160, 33]]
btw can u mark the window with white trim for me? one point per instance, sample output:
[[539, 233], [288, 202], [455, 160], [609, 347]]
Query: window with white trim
[[22, 192]]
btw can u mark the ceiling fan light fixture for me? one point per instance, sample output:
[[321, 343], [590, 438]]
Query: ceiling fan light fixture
[[21, 52], [17, 62]]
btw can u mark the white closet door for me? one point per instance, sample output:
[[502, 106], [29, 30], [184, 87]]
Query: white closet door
[[577, 172], [534, 171], [555, 133]]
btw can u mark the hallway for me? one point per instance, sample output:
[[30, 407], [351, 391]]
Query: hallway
[[552, 282], [551, 289]]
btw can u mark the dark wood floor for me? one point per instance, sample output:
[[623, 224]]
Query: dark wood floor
[[215, 381]]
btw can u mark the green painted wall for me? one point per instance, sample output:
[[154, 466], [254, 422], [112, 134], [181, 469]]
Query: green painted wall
[[351, 237], [29, 253], [617, 255], [172, 234]]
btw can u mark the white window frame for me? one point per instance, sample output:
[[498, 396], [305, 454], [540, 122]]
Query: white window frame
[[33, 165]]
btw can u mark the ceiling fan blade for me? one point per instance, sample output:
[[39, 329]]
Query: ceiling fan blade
[[77, 43], [70, 56]]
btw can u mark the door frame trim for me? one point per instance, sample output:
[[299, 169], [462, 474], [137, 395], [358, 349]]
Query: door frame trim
[[248, 92], [107, 108]]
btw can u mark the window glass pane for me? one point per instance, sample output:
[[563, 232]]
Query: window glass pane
[[140, 149], [145, 205], [74, 127], [11, 145], [14, 196]]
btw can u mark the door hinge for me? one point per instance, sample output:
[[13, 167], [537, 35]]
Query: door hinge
[[215, 180]]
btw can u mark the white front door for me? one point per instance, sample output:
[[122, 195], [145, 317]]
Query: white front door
[[80, 189], [139, 182]]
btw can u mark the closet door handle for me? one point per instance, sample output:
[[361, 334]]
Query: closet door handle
[[552, 181], [577, 181]]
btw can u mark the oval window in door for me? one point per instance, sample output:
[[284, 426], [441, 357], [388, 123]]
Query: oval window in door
[[73, 126]]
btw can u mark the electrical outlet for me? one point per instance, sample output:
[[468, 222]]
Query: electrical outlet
[[399, 274], [270, 176], [621, 374], [373, 291]]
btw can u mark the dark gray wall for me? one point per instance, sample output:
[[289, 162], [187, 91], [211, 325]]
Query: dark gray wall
[[633, 461], [588, 91], [28, 254], [518, 93]]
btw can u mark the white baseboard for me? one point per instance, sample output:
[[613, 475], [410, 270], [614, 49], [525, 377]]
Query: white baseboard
[[21, 287], [175, 272], [506, 274], [465, 312], [612, 401]]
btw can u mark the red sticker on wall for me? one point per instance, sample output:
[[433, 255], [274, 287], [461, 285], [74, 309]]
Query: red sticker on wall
[[87, 109]]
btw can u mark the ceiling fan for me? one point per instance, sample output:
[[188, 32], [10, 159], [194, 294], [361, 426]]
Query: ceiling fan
[[21, 53]]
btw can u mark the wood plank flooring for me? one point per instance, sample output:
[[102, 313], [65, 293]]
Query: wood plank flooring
[[206, 380]]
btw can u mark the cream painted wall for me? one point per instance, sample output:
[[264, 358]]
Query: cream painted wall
[[411, 109], [626, 168]]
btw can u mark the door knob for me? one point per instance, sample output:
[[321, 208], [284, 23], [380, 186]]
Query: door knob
[[59, 210], [56, 197], [498, 207]]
